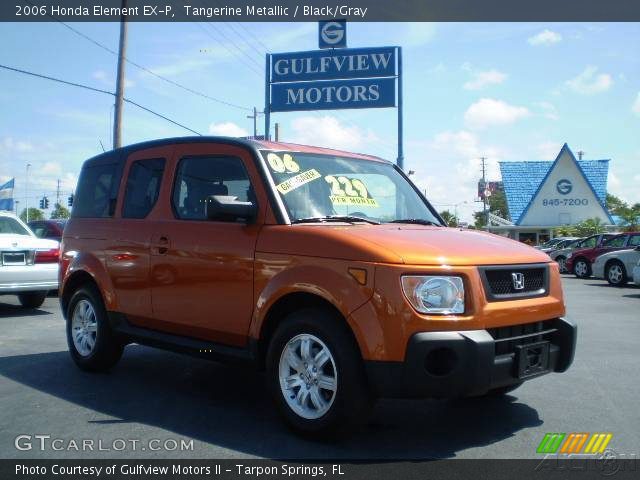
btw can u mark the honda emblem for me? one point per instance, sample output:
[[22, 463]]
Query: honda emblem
[[518, 280]]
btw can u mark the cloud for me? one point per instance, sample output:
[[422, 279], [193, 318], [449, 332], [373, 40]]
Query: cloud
[[227, 129], [331, 132], [548, 110], [50, 168], [487, 112], [635, 108], [484, 79], [417, 34], [8, 145], [548, 150], [110, 81], [590, 81], [545, 38]]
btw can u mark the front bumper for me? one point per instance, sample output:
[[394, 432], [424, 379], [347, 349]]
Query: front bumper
[[462, 363], [28, 278]]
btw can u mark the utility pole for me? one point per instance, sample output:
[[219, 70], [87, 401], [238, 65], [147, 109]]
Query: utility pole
[[26, 191], [122, 51], [484, 196], [58, 193], [277, 131], [255, 121]]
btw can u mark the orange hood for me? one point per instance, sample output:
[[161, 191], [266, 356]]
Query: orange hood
[[409, 244]]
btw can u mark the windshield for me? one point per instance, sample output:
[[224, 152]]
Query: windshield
[[10, 225], [313, 186]]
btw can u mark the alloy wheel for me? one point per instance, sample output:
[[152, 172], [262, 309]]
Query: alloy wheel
[[308, 376], [615, 273], [84, 327]]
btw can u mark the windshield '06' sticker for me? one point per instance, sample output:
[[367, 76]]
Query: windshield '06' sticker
[[297, 181], [283, 164]]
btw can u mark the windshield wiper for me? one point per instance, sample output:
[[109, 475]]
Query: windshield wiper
[[417, 221], [335, 218]]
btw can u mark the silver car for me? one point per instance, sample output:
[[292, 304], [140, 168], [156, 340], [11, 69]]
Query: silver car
[[616, 267], [560, 255], [28, 265]]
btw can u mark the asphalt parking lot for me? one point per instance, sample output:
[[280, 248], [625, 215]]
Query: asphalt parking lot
[[154, 395]]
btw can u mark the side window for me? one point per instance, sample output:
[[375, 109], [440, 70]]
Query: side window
[[634, 240], [94, 196], [40, 231], [589, 242], [198, 178], [615, 242], [143, 186]]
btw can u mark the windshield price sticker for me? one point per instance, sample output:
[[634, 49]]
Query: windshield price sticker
[[297, 181], [284, 164], [349, 191]]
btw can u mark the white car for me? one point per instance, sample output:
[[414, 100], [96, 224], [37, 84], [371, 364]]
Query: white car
[[636, 274], [617, 267], [28, 264]]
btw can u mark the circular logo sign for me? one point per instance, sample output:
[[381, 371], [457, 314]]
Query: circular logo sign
[[332, 33], [564, 186]]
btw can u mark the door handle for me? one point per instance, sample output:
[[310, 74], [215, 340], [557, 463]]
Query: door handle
[[162, 245]]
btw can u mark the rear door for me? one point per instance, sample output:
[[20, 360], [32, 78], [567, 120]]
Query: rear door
[[127, 254], [202, 270]]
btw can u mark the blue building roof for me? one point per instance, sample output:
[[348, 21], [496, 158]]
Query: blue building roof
[[522, 180]]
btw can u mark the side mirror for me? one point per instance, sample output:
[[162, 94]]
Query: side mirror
[[228, 208]]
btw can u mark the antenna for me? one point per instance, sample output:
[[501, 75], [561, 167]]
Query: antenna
[[102, 145]]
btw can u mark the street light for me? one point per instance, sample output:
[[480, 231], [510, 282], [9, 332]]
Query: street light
[[26, 190]]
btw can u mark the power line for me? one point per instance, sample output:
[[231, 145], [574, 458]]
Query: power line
[[151, 72], [87, 87]]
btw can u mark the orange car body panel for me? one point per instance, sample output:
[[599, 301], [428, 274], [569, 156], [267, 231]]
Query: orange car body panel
[[219, 280]]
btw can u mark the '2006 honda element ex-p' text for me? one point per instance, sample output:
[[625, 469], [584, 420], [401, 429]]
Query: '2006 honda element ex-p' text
[[328, 269]]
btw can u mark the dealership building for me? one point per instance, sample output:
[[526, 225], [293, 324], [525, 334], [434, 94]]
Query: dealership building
[[542, 195]]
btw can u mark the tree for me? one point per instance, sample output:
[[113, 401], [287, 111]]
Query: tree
[[34, 214], [497, 205], [449, 218], [631, 217], [59, 212], [615, 204], [591, 226]]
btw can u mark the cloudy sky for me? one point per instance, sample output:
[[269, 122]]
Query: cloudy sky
[[507, 91]]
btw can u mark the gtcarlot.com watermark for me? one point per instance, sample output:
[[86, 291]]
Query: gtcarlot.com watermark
[[45, 442]]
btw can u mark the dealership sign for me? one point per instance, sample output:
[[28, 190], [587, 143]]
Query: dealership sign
[[334, 78]]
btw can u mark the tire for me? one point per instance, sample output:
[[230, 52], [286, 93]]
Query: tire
[[32, 299], [98, 350], [501, 391], [582, 268], [562, 265], [308, 408], [616, 274]]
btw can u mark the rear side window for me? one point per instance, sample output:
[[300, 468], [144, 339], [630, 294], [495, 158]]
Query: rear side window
[[615, 242], [97, 189], [143, 186], [634, 241], [200, 177]]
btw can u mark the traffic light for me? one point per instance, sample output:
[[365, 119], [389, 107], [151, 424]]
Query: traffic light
[[42, 203], [70, 200], [46, 203]]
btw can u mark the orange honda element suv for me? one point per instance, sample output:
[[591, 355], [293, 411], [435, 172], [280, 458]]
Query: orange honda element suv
[[328, 269]]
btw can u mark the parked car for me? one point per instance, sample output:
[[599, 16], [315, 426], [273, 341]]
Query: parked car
[[636, 274], [579, 261], [51, 229], [28, 265], [328, 268], [555, 243], [560, 255], [616, 267]]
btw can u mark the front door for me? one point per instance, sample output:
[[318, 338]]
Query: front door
[[202, 270]]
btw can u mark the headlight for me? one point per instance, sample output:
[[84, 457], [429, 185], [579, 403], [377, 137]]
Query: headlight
[[432, 294]]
